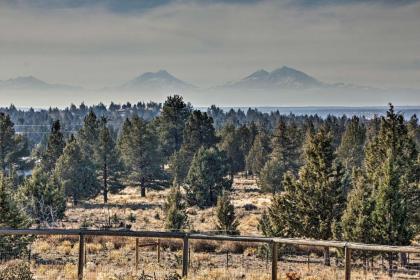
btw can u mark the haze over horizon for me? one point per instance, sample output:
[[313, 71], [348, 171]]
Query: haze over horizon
[[106, 44]]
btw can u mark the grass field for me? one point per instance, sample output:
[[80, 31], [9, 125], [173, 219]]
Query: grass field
[[55, 257]]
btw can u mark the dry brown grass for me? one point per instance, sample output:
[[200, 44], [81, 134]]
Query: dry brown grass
[[109, 258]]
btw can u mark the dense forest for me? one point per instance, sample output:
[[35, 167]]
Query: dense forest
[[344, 178]]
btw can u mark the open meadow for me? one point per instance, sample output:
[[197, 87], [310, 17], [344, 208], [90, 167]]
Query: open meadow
[[109, 258]]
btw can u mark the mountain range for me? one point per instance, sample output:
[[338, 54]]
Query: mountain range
[[32, 83], [284, 86], [281, 78]]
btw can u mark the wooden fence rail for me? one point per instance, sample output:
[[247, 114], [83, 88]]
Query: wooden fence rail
[[348, 247]]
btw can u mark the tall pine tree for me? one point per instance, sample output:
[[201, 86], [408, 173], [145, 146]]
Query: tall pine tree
[[54, 148], [108, 160], [351, 149], [76, 172], [285, 156], [391, 159], [12, 146], [139, 147], [199, 132], [313, 203], [171, 123], [231, 143], [258, 154]]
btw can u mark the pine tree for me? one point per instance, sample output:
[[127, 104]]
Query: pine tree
[[76, 172], [171, 124], [11, 217], [89, 133], [54, 148], [284, 157], [356, 222], [271, 176], [351, 149], [43, 198], [199, 132], [176, 216], [108, 160], [139, 149], [258, 154], [246, 138], [225, 214], [314, 202], [206, 178], [12, 147], [414, 129], [230, 143], [391, 167], [373, 127]]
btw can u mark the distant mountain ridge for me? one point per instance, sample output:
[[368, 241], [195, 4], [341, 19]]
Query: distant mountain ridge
[[160, 80], [284, 77], [32, 83]]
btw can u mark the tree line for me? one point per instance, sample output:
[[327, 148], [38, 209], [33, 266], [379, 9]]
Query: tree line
[[340, 178]]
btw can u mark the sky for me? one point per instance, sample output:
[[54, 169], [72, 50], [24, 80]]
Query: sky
[[96, 44]]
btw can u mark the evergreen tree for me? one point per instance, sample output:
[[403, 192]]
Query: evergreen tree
[[171, 124], [351, 149], [271, 176], [336, 127], [12, 147], [230, 143], [391, 167], [284, 157], [356, 222], [206, 178], [414, 129], [43, 198], [176, 216], [314, 202], [373, 127], [258, 153], [225, 213], [286, 145], [246, 139], [54, 148], [76, 172], [89, 133], [11, 217], [198, 132], [139, 149], [108, 160]]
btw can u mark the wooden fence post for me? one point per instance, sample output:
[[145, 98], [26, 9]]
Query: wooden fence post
[[81, 257], [273, 261], [137, 253], [185, 258], [227, 259], [158, 250], [347, 263]]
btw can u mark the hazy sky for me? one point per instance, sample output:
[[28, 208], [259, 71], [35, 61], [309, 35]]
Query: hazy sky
[[95, 43]]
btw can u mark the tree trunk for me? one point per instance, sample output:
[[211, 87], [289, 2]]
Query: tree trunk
[[142, 188], [105, 184], [327, 261]]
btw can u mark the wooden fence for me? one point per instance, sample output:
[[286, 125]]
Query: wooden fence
[[348, 247]]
